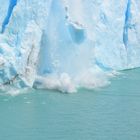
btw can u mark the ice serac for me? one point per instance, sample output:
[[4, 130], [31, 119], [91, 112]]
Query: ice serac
[[67, 44], [12, 4], [127, 23], [3, 11]]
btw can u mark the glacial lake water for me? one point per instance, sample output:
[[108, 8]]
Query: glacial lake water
[[110, 113]]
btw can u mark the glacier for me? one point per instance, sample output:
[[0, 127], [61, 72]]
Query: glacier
[[67, 44]]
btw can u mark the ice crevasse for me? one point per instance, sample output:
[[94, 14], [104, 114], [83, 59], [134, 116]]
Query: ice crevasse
[[67, 44]]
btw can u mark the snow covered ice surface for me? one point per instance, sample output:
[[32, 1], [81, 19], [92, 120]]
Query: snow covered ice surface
[[67, 44]]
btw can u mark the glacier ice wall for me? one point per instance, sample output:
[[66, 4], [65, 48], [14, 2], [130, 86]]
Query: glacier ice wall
[[66, 44]]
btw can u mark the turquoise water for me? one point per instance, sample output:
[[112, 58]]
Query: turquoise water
[[110, 113]]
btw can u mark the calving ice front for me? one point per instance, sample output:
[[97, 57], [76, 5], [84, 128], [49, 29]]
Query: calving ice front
[[67, 44]]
